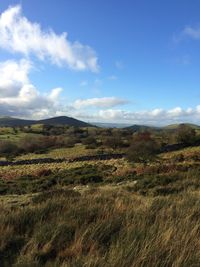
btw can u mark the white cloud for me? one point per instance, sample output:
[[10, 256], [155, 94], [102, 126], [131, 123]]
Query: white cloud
[[192, 32], [152, 117], [55, 93], [18, 96], [175, 112], [111, 114], [104, 102], [189, 32], [12, 76], [18, 34]]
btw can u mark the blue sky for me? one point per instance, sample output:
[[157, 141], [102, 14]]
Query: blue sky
[[120, 61]]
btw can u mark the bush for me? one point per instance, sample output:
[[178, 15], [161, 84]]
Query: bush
[[113, 142], [36, 144], [63, 141], [89, 141], [90, 178], [142, 149], [186, 134], [8, 149]]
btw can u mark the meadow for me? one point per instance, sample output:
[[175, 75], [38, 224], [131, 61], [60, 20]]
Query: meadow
[[116, 212]]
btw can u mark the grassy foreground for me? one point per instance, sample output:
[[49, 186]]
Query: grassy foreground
[[100, 227], [100, 213]]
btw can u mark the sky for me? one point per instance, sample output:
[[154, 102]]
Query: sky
[[134, 62]]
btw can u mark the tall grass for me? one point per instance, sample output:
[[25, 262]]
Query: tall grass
[[101, 228]]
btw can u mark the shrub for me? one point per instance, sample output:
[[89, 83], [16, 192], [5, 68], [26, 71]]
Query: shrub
[[36, 144], [8, 149], [186, 134], [113, 142], [142, 149], [89, 141]]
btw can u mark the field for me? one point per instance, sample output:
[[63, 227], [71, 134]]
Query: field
[[101, 228], [100, 212]]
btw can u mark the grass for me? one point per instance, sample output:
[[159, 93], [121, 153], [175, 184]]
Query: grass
[[187, 152], [101, 213], [46, 180], [76, 151], [13, 172], [12, 137], [149, 180], [101, 228]]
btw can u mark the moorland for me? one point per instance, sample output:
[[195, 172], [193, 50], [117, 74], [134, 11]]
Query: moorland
[[81, 195]]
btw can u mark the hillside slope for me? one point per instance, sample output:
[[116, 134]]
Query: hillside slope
[[10, 122], [63, 120]]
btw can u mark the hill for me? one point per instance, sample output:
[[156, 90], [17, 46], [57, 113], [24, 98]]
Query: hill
[[111, 125], [175, 126], [138, 128], [62, 120], [170, 127], [10, 122]]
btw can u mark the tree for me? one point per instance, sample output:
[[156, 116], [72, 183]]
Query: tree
[[14, 130], [113, 142], [90, 140], [8, 149], [142, 149], [186, 134]]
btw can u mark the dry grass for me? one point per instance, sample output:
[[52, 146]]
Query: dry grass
[[151, 218], [187, 152], [107, 228], [12, 172], [76, 151]]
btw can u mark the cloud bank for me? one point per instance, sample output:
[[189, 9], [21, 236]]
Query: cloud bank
[[19, 97], [148, 117]]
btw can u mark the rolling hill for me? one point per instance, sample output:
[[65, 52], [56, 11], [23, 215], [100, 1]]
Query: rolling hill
[[137, 127], [170, 127], [10, 122], [62, 120], [175, 126]]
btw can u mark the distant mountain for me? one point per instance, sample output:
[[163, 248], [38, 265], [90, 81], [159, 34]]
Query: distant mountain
[[170, 127], [138, 128], [63, 120], [111, 125], [10, 122], [175, 126]]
